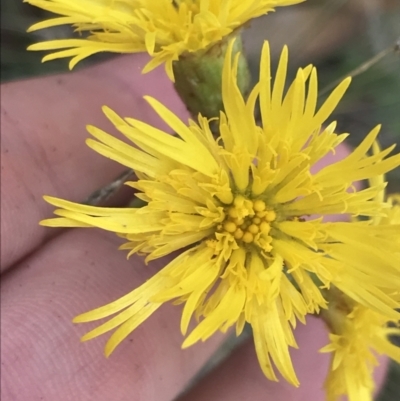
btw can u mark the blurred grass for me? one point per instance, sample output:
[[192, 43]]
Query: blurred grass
[[335, 35]]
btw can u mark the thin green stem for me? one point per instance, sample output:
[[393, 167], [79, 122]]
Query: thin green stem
[[363, 67]]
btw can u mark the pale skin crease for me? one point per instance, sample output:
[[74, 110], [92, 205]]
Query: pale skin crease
[[49, 276]]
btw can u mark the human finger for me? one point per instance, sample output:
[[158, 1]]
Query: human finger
[[42, 358], [43, 133]]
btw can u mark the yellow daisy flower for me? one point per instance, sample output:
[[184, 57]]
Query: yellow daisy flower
[[236, 207], [163, 28], [356, 339], [359, 333]]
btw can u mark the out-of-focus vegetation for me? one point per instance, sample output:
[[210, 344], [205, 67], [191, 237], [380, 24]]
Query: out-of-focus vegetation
[[335, 35], [16, 61]]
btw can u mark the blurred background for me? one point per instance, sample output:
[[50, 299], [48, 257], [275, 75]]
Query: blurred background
[[335, 35]]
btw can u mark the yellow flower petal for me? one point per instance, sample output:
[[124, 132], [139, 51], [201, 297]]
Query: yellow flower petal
[[356, 338]]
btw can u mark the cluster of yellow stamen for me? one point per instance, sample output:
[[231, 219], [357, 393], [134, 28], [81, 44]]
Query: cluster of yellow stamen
[[249, 221]]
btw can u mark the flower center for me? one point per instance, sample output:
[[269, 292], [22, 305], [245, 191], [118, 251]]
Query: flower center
[[249, 222]]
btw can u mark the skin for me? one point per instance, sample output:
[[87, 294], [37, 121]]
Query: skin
[[49, 276]]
